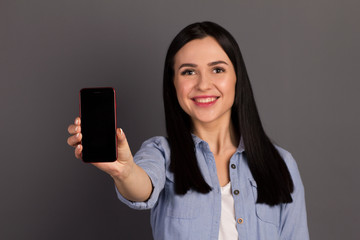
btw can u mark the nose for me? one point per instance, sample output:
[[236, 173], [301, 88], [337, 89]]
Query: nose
[[204, 82]]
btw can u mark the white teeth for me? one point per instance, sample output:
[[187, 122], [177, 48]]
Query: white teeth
[[205, 100]]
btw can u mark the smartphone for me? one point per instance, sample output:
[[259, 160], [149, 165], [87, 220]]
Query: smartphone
[[98, 124]]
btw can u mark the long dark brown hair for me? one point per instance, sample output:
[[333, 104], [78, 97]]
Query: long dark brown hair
[[269, 170]]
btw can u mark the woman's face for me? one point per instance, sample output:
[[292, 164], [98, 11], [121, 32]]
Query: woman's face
[[205, 79]]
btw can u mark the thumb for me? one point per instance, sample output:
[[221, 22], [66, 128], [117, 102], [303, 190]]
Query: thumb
[[121, 138], [122, 144]]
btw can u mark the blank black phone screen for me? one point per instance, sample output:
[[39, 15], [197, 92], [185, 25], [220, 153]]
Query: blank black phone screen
[[98, 124]]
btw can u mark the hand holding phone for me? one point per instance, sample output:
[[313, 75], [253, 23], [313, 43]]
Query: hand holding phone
[[125, 158], [131, 180]]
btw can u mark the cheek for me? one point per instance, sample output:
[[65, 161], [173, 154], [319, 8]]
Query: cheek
[[228, 90], [180, 93], [182, 98], [228, 87], [182, 90], [232, 89]]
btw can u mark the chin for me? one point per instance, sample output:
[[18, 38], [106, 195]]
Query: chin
[[209, 118], [204, 119]]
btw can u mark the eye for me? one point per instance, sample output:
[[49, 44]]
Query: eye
[[218, 70], [188, 72]]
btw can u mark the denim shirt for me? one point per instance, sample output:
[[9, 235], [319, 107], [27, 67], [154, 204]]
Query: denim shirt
[[197, 216]]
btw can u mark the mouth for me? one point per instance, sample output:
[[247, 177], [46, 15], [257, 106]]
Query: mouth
[[205, 100]]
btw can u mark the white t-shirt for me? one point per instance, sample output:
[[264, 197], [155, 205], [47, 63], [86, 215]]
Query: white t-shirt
[[228, 229]]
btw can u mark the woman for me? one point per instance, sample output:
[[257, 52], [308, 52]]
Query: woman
[[216, 175]]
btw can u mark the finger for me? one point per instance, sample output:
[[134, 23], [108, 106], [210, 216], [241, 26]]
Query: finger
[[77, 121], [74, 140], [78, 151], [73, 129]]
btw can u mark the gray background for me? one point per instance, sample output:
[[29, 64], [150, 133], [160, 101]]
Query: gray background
[[302, 58]]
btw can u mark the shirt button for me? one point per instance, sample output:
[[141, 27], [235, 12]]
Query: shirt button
[[233, 166], [240, 220], [236, 192]]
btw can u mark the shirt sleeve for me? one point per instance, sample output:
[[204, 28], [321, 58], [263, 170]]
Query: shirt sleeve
[[293, 216], [151, 158]]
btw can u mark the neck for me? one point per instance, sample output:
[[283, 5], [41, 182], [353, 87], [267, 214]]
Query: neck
[[220, 137]]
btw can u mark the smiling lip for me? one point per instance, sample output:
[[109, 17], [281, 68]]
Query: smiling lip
[[205, 101]]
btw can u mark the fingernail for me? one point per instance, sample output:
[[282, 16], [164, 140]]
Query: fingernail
[[121, 132], [78, 146], [76, 129], [78, 134], [77, 121]]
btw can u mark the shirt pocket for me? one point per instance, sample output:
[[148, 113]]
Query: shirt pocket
[[264, 212], [185, 206]]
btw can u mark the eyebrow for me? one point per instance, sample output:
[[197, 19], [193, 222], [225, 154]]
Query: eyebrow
[[209, 64], [216, 63], [187, 65]]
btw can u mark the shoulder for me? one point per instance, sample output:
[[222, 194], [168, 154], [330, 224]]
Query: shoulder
[[157, 144], [156, 141], [292, 166], [287, 157]]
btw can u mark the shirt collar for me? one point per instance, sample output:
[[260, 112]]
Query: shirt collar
[[198, 140]]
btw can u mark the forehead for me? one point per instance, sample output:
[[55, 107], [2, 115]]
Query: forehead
[[200, 51]]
